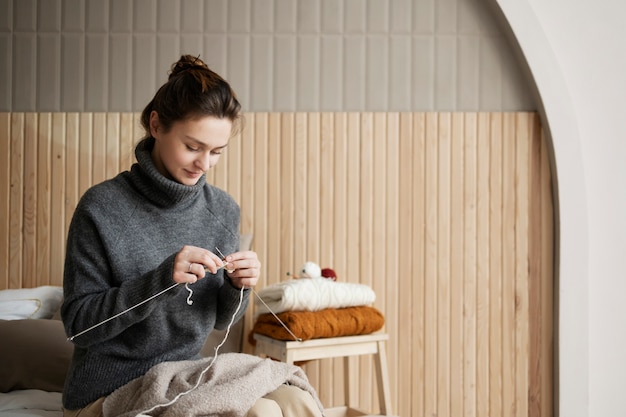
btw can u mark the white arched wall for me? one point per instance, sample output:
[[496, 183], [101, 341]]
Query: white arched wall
[[577, 57]]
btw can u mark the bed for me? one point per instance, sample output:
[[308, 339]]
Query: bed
[[34, 352]]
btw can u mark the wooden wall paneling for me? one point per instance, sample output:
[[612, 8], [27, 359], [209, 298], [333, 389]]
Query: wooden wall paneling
[[353, 203], [340, 262], [5, 190], [417, 275], [44, 197], [274, 243], [430, 267], [5, 203], [469, 264], [447, 216], [457, 278], [495, 266], [326, 247], [72, 156], [113, 141], [534, 286], [29, 231], [522, 267], [99, 147], [246, 203], [86, 146], [548, 361], [401, 284], [286, 145], [508, 264], [483, 261], [327, 190], [311, 231], [443, 265], [16, 201], [300, 192], [247, 179], [366, 258], [58, 193], [260, 181], [392, 270], [127, 141]]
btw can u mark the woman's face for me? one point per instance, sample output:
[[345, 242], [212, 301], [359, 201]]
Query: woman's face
[[190, 147]]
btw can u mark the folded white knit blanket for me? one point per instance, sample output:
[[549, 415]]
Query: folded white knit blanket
[[313, 294], [228, 389]]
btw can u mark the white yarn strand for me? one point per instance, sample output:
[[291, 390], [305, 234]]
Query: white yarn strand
[[205, 370], [127, 310]]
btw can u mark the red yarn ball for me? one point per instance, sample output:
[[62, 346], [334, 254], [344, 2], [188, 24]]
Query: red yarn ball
[[329, 273]]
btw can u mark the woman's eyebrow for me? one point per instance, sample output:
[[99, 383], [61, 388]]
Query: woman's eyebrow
[[203, 144]]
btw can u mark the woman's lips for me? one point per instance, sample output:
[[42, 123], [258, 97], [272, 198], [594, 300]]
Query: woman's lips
[[193, 174]]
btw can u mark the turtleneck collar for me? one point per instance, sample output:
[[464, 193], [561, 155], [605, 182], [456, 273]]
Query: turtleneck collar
[[155, 186]]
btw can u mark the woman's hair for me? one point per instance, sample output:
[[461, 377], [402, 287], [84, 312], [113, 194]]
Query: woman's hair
[[192, 90]]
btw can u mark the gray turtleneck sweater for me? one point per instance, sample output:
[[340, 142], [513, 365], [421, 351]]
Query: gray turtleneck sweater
[[121, 246]]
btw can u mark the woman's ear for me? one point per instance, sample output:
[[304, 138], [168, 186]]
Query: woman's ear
[[154, 123]]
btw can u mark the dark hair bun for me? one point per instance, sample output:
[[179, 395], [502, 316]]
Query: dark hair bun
[[185, 63]]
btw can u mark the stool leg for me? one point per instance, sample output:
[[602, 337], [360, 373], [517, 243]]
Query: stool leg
[[382, 374], [346, 382]]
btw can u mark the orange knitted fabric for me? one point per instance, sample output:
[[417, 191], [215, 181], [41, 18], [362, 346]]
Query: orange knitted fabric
[[331, 322]]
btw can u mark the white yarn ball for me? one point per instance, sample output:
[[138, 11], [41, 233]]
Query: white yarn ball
[[311, 270]]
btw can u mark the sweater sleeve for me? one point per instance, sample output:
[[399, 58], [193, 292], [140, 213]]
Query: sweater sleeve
[[92, 294]]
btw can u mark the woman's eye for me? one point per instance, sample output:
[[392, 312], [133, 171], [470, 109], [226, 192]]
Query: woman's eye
[[191, 148]]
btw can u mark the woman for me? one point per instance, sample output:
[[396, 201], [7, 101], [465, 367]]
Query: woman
[[149, 229]]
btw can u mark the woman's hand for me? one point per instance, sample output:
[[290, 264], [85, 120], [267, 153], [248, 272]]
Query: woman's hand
[[243, 268], [192, 263]]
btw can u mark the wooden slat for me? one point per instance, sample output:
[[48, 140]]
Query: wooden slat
[[16, 201], [5, 203], [470, 260], [392, 270], [29, 234], [483, 263], [417, 275], [430, 267], [326, 247], [447, 216], [44, 199], [367, 170], [85, 162], [496, 272], [509, 299], [457, 278], [99, 142], [113, 136], [406, 252], [57, 206], [522, 188], [72, 157], [547, 324], [444, 184], [287, 187]]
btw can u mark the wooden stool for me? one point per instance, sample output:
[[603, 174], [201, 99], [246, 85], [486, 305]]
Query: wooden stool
[[373, 344]]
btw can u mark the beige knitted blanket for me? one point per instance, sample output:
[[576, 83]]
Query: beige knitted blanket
[[228, 389]]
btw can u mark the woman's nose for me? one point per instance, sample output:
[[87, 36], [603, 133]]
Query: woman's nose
[[204, 161]]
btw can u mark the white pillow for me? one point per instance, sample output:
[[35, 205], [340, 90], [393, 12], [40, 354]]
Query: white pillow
[[30, 303]]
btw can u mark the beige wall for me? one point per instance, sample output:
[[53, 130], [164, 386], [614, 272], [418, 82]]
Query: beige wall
[[280, 55]]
